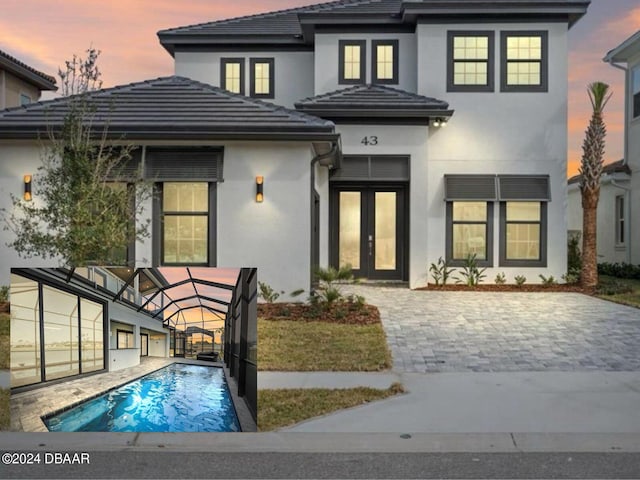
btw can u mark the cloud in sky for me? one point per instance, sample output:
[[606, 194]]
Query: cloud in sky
[[44, 34]]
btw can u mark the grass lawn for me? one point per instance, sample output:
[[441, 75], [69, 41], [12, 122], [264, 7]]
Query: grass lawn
[[612, 289], [4, 340], [284, 407], [290, 345], [5, 412]]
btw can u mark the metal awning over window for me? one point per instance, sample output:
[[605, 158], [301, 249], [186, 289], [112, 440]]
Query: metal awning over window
[[384, 168], [491, 188], [470, 188]]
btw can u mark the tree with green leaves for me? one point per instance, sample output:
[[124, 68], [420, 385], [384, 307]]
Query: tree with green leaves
[[86, 206], [590, 173]]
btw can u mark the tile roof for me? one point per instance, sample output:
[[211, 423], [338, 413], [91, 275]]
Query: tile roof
[[610, 168], [372, 100], [284, 22], [168, 107], [265, 27], [24, 71]]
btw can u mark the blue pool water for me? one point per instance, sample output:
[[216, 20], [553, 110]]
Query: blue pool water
[[177, 398]]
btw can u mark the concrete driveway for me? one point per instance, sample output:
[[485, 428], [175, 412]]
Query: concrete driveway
[[430, 331]]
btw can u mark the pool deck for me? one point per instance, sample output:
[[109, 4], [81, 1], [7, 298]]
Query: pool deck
[[28, 407]]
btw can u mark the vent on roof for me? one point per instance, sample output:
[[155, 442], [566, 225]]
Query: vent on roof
[[184, 164], [470, 187], [524, 187], [378, 168]]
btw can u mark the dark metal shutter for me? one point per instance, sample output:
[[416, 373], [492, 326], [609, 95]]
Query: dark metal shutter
[[470, 187], [379, 168], [524, 188], [184, 164]]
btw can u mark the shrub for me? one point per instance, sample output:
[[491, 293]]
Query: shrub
[[613, 287], [440, 271], [267, 293], [547, 282], [574, 257], [571, 278], [500, 279], [328, 291], [520, 280], [620, 270], [4, 294], [471, 275]]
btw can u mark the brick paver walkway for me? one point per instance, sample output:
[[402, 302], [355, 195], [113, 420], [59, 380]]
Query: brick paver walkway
[[430, 331]]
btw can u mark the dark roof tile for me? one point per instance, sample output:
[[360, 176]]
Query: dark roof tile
[[608, 169], [169, 106]]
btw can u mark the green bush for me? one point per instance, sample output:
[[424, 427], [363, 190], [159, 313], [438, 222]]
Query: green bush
[[613, 287], [520, 280], [548, 281], [500, 279], [574, 257], [267, 293], [4, 294], [619, 270]]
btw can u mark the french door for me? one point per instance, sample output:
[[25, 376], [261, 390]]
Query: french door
[[369, 231], [144, 345]]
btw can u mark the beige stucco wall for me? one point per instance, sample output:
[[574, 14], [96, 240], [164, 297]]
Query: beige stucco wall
[[11, 87]]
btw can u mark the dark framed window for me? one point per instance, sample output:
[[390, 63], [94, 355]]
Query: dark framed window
[[124, 339], [635, 91], [384, 61], [524, 61], [352, 61], [25, 99], [620, 220], [262, 77], [185, 218], [469, 232], [470, 65], [523, 234], [232, 74]]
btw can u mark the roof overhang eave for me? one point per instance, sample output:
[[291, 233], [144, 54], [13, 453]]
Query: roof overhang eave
[[623, 52], [27, 75], [141, 134], [321, 111]]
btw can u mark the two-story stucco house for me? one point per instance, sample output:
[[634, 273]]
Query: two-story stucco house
[[379, 133], [618, 225], [21, 84]]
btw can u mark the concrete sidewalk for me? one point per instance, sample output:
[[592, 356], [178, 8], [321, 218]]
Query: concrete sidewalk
[[534, 402]]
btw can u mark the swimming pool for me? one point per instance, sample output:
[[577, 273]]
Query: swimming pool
[[177, 398]]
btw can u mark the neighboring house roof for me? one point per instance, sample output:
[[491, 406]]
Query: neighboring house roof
[[373, 101], [609, 169], [627, 49], [296, 26], [26, 73], [169, 108]]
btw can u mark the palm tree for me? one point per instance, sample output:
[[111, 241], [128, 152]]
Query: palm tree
[[590, 172]]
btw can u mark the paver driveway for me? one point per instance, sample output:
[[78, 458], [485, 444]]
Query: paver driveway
[[430, 331]]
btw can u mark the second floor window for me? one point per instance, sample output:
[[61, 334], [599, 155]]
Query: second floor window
[[384, 61], [635, 85], [352, 61], [524, 62], [262, 77], [470, 61], [24, 99], [232, 74]]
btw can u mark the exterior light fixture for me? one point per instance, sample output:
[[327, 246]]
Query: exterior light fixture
[[259, 189], [443, 123], [27, 188], [436, 122]]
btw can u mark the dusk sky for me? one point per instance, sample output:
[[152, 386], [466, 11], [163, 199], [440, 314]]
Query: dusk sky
[[44, 34]]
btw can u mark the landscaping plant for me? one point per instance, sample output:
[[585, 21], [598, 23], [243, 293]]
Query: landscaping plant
[[440, 271], [267, 293], [548, 281], [520, 280], [500, 279], [470, 274], [590, 173]]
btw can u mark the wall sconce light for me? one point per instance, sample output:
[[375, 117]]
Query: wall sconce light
[[259, 189], [27, 188]]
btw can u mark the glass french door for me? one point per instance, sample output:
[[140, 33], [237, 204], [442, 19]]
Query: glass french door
[[369, 231]]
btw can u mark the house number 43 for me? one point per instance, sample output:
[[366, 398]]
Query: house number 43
[[371, 140]]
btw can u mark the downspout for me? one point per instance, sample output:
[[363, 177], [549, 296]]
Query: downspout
[[312, 192], [625, 161]]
